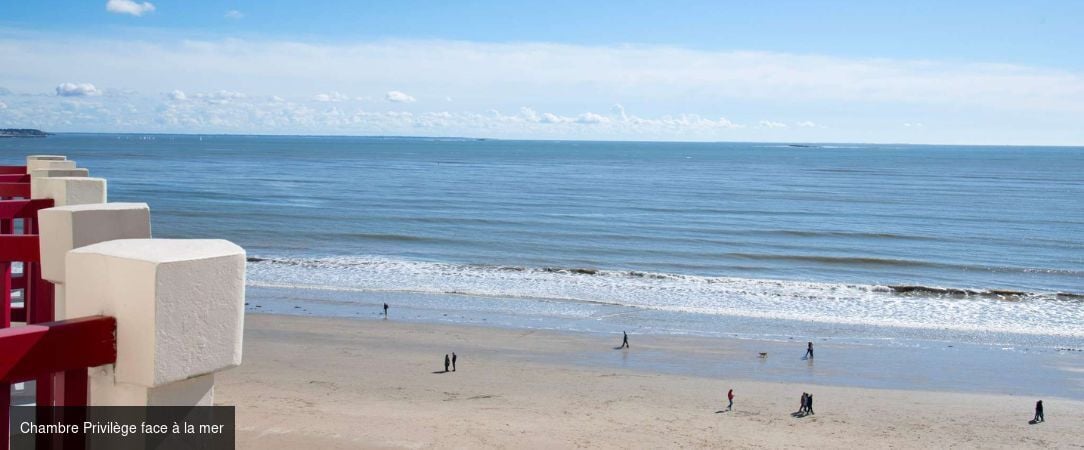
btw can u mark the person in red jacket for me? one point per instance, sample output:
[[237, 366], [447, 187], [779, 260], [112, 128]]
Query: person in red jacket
[[730, 396]]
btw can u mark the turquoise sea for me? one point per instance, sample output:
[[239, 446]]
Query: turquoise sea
[[864, 243]]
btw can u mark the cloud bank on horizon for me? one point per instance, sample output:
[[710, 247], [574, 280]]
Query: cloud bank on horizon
[[523, 90]]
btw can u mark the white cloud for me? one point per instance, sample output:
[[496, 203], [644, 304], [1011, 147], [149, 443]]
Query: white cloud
[[332, 97], [771, 124], [590, 118], [3, 105], [619, 112], [220, 96], [806, 124], [913, 125], [529, 114], [578, 75], [177, 95], [129, 7], [77, 90], [969, 102], [399, 97], [234, 14], [553, 118]]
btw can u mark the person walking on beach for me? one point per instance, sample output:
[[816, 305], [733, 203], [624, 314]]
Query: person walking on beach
[[1038, 412], [801, 405], [730, 397], [385, 310], [624, 340], [809, 351], [453, 361], [809, 404], [447, 362]]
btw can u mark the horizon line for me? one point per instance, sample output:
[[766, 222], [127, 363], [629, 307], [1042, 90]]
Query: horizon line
[[479, 138]]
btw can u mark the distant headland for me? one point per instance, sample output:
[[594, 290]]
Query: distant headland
[[21, 132]]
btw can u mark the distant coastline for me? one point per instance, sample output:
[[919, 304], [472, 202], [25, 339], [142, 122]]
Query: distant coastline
[[22, 133]]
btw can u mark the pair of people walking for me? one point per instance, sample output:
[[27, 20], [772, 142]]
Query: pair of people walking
[[807, 404], [449, 362]]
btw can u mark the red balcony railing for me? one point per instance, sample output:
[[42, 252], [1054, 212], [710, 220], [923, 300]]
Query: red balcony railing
[[55, 355]]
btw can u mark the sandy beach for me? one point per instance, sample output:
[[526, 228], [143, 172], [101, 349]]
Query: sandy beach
[[342, 383]]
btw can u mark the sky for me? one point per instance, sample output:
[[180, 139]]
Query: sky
[[961, 72]]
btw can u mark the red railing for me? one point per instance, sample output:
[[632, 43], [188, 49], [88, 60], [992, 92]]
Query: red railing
[[66, 346], [55, 355]]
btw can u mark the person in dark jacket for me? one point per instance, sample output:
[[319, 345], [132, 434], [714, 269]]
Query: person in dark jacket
[[809, 404], [1038, 412], [624, 340], [809, 351], [447, 362], [453, 361]]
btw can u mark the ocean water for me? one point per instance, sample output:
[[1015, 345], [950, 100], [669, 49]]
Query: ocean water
[[977, 244]]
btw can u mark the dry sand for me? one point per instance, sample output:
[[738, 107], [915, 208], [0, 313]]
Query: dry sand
[[341, 383]]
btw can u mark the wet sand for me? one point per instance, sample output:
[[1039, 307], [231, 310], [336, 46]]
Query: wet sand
[[342, 383]]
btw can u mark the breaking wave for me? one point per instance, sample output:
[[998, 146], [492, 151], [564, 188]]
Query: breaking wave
[[913, 306]]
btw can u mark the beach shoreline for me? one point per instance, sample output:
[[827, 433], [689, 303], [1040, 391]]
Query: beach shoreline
[[347, 383], [875, 357]]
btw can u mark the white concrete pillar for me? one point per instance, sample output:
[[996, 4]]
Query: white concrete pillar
[[179, 306], [63, 228], [38, 164], [36, 176], [105, 390], [71, 190], [45, 158], [77, 172]]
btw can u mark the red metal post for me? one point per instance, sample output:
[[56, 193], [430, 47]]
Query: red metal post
[[15, 190], [38, 299], [72, 388], [5, 294], [5, 322]]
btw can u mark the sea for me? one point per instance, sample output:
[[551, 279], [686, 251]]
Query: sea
[[869, 244]]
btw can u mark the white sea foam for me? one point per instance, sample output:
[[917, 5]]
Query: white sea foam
[[925, 308]]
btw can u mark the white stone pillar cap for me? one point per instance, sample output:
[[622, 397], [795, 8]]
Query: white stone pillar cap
[[179, 304], [70, 190], [46, 158], [64, 228], [50, 173]]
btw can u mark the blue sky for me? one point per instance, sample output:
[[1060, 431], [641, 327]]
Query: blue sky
[[921, 72]]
